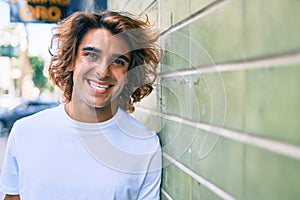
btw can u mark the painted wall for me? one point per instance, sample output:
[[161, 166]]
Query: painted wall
[[226, 103]]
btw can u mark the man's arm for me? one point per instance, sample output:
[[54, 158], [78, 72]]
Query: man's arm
[[11, 197], [9, 176], [152, 182]]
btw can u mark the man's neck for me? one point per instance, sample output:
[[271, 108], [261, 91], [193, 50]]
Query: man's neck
[[89, 114]]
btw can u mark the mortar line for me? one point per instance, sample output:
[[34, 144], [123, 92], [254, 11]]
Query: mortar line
[[149, 6], [166, 194], [274, 146], [218, 191], [195, 16], [276, 61]]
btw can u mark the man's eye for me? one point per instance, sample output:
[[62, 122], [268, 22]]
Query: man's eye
[[91, 55], [119, 62]]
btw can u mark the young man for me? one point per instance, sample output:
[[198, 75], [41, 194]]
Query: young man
[[89, 147]]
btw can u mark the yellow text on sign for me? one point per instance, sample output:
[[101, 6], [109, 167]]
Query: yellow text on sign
[[30, 13], [52, 2]]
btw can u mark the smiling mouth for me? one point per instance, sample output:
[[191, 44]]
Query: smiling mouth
[[98, 86]]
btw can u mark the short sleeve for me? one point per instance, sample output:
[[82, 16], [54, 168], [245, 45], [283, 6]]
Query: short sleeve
[[9, 183], [152, 182]]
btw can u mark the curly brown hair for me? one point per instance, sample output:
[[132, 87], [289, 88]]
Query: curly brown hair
[[145, 53]]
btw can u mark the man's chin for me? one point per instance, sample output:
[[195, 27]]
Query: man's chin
[[100, 105], [97, 105]]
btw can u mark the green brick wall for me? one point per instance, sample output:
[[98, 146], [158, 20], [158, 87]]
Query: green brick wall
[[226, 103]]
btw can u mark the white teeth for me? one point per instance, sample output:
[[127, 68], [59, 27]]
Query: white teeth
[[97, 86]]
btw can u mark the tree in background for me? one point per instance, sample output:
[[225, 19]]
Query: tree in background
[[38, 78]]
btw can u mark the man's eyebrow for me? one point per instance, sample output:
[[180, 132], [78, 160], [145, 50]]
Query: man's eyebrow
[[121, 56], [92, 49], [88, 48]]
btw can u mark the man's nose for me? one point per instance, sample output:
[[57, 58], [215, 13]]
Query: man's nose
[[103, 69]]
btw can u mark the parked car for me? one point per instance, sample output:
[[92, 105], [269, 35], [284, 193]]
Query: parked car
[[8, 118]]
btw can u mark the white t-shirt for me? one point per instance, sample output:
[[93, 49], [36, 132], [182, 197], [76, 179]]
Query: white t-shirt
[[51, 156]]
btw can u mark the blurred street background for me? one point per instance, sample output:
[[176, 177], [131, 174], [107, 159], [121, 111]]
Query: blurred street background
[[23, 60]]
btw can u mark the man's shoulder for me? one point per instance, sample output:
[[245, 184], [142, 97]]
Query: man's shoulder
[[45, 116], [132, 125], [135, 134]]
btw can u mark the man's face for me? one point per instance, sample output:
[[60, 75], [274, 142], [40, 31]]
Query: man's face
[[101, 66]]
